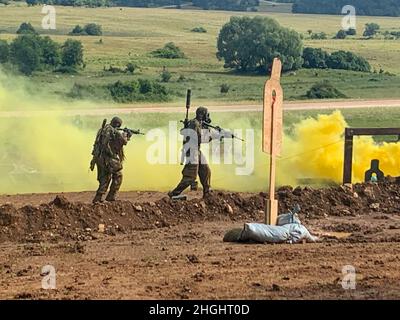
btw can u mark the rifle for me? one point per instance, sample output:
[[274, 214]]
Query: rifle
[[219, 129], [130, 132], [96, 150], [186, 122]]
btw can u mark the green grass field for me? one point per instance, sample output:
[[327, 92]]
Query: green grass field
[[131, 33]]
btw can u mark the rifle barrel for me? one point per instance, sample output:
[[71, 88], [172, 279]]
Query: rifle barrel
[[188, 99], [219, 129]]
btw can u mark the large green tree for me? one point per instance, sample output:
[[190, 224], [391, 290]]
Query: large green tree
[[50, 52], [250, 45], [26, 53], [72, 53]]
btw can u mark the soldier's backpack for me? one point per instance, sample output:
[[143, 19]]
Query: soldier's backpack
[[96, 153]]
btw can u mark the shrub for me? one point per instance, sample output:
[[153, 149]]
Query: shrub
[[348, 61], [341, 34], [324, 90], [225, 88], [93, 29], [315, 58], [371, 29], [181, 78], [166, 75], [78, 30], [199, 30], [351, 32], [319, 36], [26, 28], [318, 58], [140, 90], [130, 67], [170, 51]]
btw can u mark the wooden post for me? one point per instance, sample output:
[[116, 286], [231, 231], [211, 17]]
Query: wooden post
[[348, 156], [272, 134]]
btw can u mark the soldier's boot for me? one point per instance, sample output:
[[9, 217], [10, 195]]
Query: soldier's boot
[[205, 179], [98, 198], [111, 197], [194, 186], [115, 185], [104, 179]]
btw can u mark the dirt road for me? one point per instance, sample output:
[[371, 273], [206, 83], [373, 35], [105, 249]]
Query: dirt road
[[290, 105]]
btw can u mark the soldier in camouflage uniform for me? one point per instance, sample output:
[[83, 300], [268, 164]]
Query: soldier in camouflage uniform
[[108, 155], [196, 163]]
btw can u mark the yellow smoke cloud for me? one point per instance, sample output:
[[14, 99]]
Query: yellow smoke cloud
[[317, 147], [49, 153]]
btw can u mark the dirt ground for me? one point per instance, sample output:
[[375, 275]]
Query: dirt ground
[[147, 247]]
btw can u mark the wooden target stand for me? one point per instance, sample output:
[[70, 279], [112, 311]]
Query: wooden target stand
[[272, 134]]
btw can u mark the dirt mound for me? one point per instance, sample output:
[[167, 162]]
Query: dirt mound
[[64, 220], [348, 200]]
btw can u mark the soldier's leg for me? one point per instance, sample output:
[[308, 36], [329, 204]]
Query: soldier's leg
[[104, 178], [205, 175], [189, 175], [205, 178], [115, 185]]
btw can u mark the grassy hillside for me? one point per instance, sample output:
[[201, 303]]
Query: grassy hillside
[[130, 34]]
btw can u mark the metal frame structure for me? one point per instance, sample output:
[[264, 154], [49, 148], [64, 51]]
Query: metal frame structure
[[348, 145]]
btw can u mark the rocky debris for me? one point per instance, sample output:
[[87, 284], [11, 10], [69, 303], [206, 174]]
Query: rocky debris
[[192, 258], [61, 202], [228, 209]]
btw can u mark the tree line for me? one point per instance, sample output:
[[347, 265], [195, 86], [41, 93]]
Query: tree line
[[30, 52], [232, 5], [363, 7]]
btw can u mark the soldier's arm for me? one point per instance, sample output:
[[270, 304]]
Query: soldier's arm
[[124, 137]]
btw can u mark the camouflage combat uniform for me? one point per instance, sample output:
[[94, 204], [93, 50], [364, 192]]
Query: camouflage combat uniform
[[109, 163], [196, 164]]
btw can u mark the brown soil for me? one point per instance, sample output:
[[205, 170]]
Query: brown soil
[[152, 247]]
